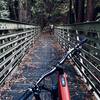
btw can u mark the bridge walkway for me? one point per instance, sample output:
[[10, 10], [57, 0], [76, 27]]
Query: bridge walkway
[[41, 56]]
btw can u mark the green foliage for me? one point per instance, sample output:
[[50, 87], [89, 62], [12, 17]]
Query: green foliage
[[3, 9], [51, 9], [39, 8]]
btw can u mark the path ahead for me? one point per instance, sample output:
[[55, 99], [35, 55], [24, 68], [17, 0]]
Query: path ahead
[[45, 52]]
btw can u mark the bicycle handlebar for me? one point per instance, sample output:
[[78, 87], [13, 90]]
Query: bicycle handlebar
[[45, 75], [71, 51], [26, 95], [31, 90]]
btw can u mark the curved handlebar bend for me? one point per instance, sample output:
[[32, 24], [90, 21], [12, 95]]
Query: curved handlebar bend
[[75, 49]]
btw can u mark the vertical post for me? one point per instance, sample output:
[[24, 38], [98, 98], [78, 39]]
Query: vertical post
[[64, 46], [59, 37], [90, 15], [70, 22], [68, 35], [79, 16]]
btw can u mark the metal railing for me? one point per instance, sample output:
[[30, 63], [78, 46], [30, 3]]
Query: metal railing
[[88, 62], [15, 39]]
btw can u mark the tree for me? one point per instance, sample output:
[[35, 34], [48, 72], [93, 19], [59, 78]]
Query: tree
[[81, 10], [90, 10], [4, 13], [13, 6]]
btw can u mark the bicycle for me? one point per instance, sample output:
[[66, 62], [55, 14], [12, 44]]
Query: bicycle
[[62, 90]]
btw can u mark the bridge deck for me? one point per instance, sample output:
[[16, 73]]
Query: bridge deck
[[45, 52]]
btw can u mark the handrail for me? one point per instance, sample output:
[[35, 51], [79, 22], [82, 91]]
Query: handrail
[[13, 21], [69, 35], [86, 26], [10, 24], [15, 39]]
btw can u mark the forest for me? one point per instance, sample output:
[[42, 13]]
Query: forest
[[36, 34], [44, 12]]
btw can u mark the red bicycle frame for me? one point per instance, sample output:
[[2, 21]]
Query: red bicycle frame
[[63, 89]]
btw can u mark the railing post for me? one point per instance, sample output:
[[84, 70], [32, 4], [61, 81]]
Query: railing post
[[63, 33], [68, 35], [81, 60]]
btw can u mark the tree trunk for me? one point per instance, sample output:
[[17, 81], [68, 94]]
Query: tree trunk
[[70, 12], [90, 10], [81, 11], [23, 11], [16, 5], [13, 9], [76, 4]]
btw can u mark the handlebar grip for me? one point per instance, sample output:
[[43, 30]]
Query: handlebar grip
[[26, 95]]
